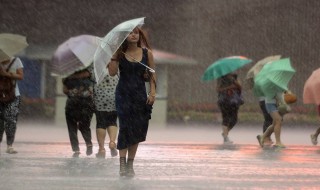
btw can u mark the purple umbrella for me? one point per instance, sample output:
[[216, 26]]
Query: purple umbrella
[[74, 54]]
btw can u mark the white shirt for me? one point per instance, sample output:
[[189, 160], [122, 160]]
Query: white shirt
[[104, 93]]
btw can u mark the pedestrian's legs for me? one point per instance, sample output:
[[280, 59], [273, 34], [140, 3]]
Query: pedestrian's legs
[[10, 123], [132, 150], [314, 137], [112, 132], [84, 127], [277, 119], [1, 129], [123, 162], [267, 121], [101, 136], [316, 134], [267, 117], [73, 133]]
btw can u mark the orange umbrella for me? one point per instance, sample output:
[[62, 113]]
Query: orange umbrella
[[311, 90]]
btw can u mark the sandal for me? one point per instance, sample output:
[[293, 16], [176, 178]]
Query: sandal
[[101, 154], [279, 146], [11, 151], [113, 150], [260, 140]]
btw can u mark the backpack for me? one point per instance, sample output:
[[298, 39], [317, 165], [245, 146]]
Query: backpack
[[7, 87]]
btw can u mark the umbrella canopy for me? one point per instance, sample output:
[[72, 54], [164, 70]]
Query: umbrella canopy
[[249, 82], [273, 78], [74, 54], [11, 44], [110, 44], [224, 66], [311, 88]]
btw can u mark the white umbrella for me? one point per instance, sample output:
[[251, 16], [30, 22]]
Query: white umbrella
[[11, 44], [74, 54]]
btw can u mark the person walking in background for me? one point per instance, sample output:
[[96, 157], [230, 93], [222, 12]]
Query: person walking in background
[[272, 109], [79, 109], [314, 136], [106, 115], [9, 111], [228, 87], [267, 120], [133, 104]]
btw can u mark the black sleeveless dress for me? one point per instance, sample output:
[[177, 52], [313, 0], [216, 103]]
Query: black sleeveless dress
[[131, 98]]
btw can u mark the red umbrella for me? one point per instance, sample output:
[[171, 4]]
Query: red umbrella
[[311, 90]]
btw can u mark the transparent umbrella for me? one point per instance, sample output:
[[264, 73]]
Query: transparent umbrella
[[110, 44]]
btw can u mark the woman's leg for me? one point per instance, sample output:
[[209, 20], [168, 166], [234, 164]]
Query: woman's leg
[[267, 117], [101, 136], [11, 118], [132, 150], [226, 117], [84, 123], [277, 119], [314, 137], [84, 127], [112, 132], [123, 162]]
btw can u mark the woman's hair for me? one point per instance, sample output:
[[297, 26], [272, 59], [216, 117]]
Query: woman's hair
[[143, 42]]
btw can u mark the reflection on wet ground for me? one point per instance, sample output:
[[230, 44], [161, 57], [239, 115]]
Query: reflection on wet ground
[[163, 166]]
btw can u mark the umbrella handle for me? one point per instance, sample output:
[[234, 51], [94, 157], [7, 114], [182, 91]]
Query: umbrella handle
[[150, 69]]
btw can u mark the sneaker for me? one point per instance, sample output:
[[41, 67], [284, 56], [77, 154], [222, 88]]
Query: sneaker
[[314, 139], [11, 151]]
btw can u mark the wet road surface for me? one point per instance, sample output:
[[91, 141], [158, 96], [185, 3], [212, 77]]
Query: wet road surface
[[163, 162]]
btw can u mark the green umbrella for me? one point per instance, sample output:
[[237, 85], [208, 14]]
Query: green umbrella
[[273, 78], [224, 66]]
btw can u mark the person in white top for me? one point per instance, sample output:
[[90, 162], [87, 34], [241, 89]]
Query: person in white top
[[106, 114], [9, 110]]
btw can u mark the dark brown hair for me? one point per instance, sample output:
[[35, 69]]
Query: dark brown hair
[[143, 42]]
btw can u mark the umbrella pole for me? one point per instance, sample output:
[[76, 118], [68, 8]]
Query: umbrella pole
[[150, 69]]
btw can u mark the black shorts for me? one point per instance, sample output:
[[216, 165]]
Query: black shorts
[[106, 119]]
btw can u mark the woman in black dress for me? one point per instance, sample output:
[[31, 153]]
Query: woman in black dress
[[133, 103]]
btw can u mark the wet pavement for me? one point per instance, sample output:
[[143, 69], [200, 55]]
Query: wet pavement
[[172, 158]]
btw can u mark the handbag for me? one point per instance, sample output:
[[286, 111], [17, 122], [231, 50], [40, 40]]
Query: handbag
[[7, 87], [231, 97], [289, 97], [236, 99], [283, 109]]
